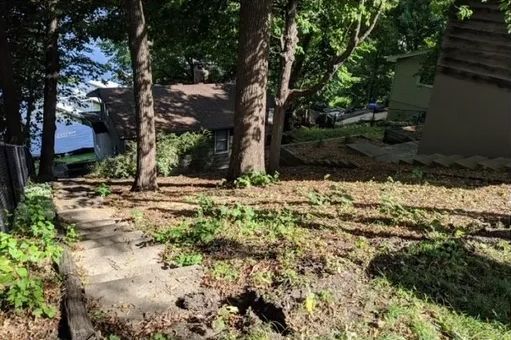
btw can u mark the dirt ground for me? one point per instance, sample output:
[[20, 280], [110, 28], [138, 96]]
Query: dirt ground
[[378, 252]]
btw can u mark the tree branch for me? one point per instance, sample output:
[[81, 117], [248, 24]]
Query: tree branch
[[357, 37]]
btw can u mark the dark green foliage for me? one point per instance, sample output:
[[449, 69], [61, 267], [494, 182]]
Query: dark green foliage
[[171, 149], [313, 134], [26, 253], [256, 179], [103, 190]]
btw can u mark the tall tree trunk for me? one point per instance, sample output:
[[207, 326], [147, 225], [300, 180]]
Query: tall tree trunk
[[281, 102], [50, 94], [11, 92], [251, 84], [145, 179]]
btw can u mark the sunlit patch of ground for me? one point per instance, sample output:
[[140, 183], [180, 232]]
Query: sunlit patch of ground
[[383, 252]]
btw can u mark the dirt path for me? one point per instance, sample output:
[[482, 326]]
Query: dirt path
[[120, 270]]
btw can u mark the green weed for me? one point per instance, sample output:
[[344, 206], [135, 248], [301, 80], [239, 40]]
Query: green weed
[[103, 190], [186, 259], [256, 179], [71, 236], [225, 271], [28, 250]]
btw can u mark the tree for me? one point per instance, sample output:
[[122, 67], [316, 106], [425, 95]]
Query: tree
[[11, 92], [145, 179], [251, 87], [182, 33], [50, 93], [360, 17]]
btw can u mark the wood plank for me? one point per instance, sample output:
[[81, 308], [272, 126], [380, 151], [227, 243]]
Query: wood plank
[[80, 326]]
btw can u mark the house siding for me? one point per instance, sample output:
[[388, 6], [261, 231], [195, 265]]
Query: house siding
[[409, 97], [470, 111]]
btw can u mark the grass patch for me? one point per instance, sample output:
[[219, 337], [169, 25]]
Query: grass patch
[[313, 134], [221, 232], [89, 157], [344, 257], [471, 291]]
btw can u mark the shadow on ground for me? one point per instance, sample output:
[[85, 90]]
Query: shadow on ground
[[451, 274]]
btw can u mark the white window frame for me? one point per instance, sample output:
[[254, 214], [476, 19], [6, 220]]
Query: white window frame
[[228, 141]]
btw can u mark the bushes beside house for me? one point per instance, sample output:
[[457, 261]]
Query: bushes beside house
[[190, 149]]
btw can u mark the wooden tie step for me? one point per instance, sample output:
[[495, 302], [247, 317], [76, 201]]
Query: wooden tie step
[[495, 164], [446, 161], [470, 162]]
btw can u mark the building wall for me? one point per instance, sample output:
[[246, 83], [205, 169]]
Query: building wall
[[470, 111], [408, 97], [468, 118], [103, 147]]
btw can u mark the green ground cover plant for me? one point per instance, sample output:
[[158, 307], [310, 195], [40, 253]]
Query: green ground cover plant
[[316, 134], [28, 252]]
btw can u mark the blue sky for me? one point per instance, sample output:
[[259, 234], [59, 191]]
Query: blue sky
[[100, 57]]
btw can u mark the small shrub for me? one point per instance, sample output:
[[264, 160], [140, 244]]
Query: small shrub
[[207, 206], [103, 190], [28, 251], [186, 259], [336, 195], [120, 166], [202, 231], [317, 198], [256, 179], [72, 235], [170, 150]]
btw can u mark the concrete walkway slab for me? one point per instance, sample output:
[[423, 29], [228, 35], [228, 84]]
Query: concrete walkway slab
[[142, 295], [132, 238], [118, 257], [119, 267]]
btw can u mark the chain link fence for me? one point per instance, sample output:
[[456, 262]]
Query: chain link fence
[[16, 167]]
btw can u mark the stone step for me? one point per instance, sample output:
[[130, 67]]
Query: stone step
[[117, 257], [134, 237], [137, 297], [470, 162], [446, 161], [495, 163], [86, 226], [111, 230], [147, 270], [84, 215]]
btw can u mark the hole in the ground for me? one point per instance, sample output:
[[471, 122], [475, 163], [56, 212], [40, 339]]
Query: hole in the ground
[[266, 311]]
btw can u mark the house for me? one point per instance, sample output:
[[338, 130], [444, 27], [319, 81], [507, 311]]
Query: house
[[410, 96], [470, 109], [178, 109], [73, 133]]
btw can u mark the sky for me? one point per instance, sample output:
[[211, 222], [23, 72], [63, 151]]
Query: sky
[[98, 56]]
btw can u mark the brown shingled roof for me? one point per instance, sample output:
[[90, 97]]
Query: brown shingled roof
[[178, 108]]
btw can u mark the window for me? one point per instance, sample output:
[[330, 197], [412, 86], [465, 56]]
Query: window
[[222, 141]]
